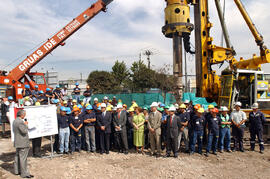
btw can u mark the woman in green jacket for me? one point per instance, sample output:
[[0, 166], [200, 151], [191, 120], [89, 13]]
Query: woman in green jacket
[[138, 135]]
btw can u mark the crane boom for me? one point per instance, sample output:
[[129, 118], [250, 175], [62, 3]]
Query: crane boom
[[53, 42]]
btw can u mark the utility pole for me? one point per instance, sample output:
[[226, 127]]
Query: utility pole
[[148, 53], [186, 75]]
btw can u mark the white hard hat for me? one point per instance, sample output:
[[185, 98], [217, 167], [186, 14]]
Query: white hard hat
[[255, 106], [95, 99], [238, 104], [103, 105], [105, 98], [119, 106], [224, 109], [186, 101], [176, 106], [172, 108], [154, 104], [27, 103]]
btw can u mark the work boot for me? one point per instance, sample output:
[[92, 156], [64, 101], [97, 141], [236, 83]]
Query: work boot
[[214, 153], [206, 154], [261, 151]]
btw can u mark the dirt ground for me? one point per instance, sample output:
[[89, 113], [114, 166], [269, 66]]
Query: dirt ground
[[84, 165]]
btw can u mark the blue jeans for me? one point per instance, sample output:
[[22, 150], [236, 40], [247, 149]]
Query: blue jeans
[[64, 139], [197, 137], [225, 133], [77, 97], [75, 140], [212, 141], [90, 138]]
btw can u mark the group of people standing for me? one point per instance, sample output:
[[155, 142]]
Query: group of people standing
[[100, 127]]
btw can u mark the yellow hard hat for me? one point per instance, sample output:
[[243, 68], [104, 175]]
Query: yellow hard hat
[[131, 109], [37, 104], [75, 106], [109, 108], [87, 104], [65, 102], [74, 101], [201, 110], [183, 106], [211, 106], [27, 98]]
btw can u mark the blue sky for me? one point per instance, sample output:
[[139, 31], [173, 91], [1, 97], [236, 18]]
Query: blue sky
[[126, 29]]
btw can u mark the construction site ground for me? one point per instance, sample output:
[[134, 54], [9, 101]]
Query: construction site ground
[[84, 165]]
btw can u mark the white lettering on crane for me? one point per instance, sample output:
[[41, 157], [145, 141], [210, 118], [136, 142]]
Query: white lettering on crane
[[21, 67], [26, 64], [61, 35], [73, 25], [37, 55]]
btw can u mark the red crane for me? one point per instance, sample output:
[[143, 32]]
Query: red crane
[[18, 77]]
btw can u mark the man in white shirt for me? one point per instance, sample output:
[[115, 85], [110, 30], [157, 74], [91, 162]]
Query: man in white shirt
[[238, 119]]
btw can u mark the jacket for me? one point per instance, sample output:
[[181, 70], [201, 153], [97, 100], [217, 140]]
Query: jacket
[[20, 130], [154, 121], [105, 121], [172, 130]]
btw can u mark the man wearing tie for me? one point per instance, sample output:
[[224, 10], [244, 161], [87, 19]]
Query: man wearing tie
[[22, 145], [104, 123], [172, 130], [119, 123], [154, 124]]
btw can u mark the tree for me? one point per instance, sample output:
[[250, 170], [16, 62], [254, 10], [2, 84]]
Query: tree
[[120, 73], [141, 76], [164, 80], [102, 81]]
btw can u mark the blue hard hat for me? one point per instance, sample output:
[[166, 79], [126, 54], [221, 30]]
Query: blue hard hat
[[57, 86], [89, 107], [36, 86], [77, 84], [79, 106], [27, 86], [48, 89], [41, 92], [162, 105], [10, 98], [63, 109], [55, 101], [68, 110]]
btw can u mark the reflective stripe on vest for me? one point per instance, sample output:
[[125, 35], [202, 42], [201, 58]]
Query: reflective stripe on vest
[[223, 119]]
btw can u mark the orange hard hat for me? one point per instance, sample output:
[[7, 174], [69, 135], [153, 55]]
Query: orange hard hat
[[197, 106], [76, 109], [98, 104], [215, 110]]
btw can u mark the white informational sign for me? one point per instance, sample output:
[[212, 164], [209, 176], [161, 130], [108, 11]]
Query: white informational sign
[[42, 120]]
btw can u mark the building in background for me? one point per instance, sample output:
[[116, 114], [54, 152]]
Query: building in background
[[70, 85], [52, 78]]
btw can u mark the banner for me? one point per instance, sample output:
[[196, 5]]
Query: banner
[[42, 120]]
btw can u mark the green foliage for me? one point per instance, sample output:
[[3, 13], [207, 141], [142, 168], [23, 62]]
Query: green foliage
[[120, 73], [139, 78], [101, 81]]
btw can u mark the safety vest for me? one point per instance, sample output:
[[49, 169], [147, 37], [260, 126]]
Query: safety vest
[[225, 119]]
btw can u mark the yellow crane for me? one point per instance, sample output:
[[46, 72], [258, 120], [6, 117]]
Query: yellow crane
[[243, 80]]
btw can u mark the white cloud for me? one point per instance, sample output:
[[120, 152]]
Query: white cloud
[[128, 27]]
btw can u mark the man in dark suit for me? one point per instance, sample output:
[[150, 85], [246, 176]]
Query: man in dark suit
[[104, 123], [22, 145], [119, 123], [172, 130]]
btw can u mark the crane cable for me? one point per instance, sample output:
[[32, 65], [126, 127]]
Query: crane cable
[[223, 17]]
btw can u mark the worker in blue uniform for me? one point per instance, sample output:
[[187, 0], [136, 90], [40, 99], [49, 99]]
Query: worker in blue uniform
[[213, 124], [256, 121]]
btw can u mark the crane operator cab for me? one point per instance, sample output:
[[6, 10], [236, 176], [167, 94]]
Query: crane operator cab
[[246, 86]]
